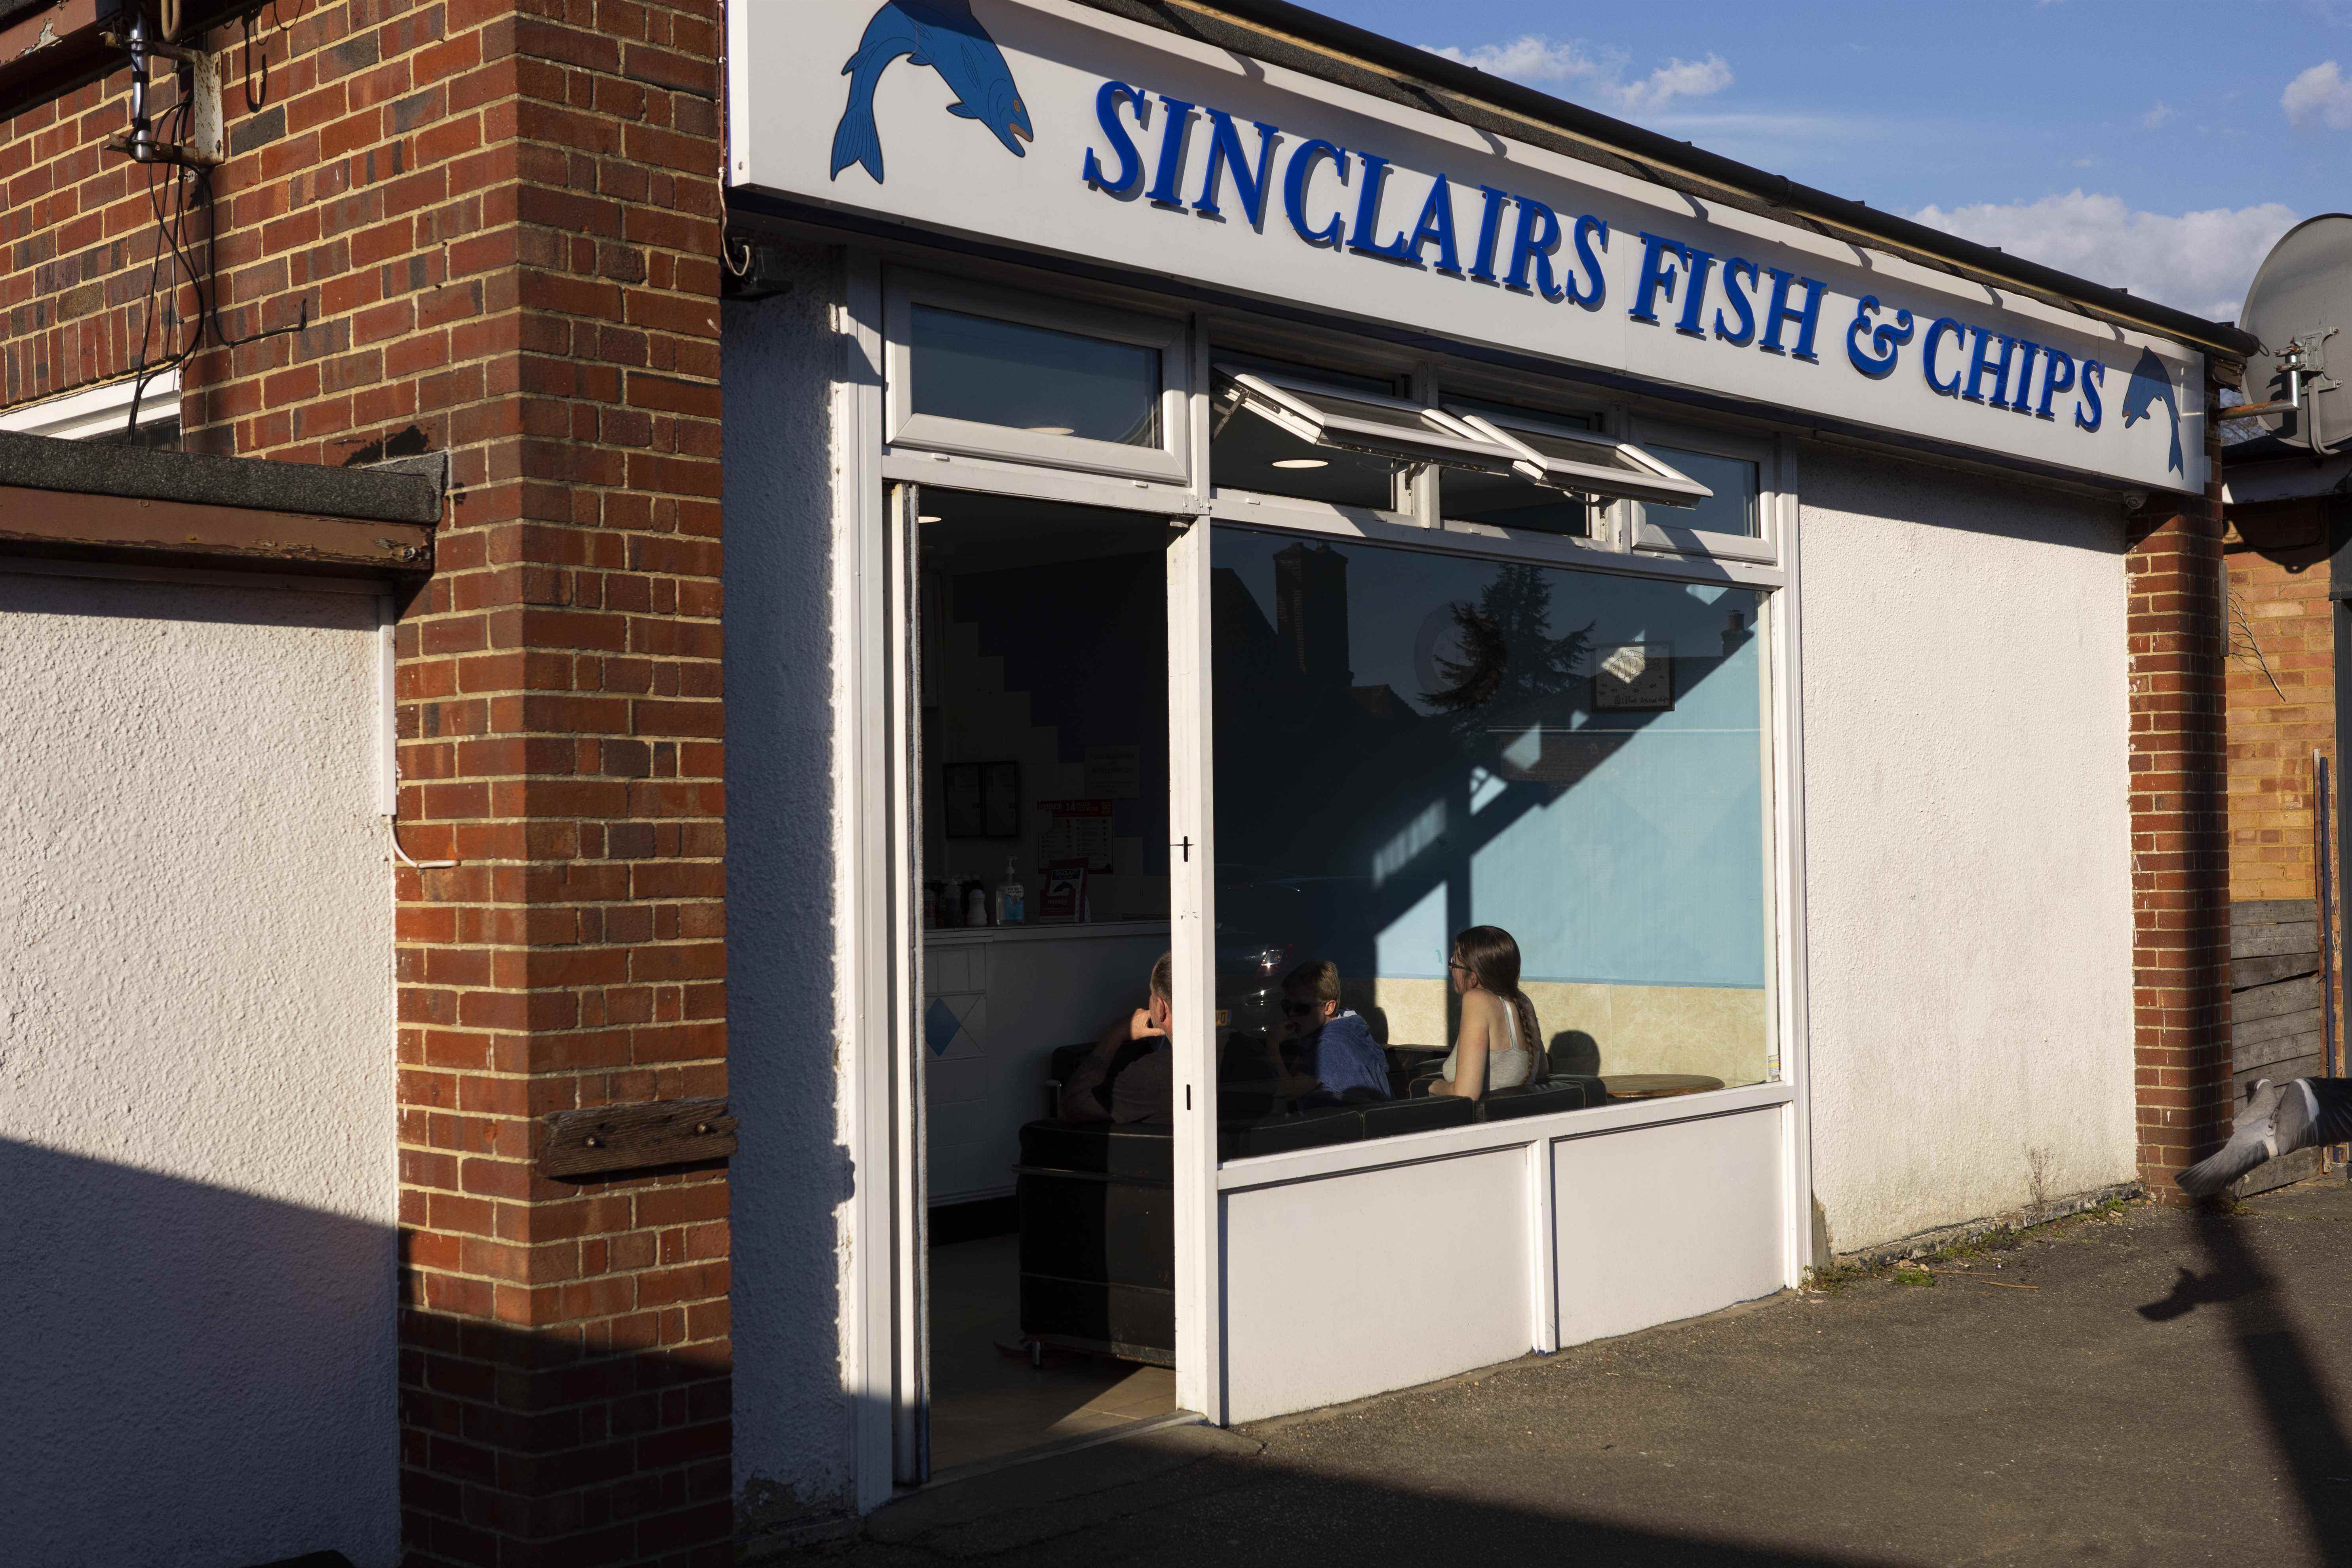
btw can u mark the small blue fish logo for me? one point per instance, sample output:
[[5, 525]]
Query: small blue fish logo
[[945, 36], [2151, 383]]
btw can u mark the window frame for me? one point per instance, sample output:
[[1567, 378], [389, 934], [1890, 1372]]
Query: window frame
[[1646, 533], [1614, 486], [1779, 774], [1446, 440], [1168, 463], [93, 412]]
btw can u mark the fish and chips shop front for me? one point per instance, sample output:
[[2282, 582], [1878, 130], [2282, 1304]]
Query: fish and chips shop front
[[1205, 481]]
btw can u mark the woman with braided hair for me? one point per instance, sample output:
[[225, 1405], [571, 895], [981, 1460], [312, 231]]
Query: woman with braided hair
[[1498, 1043]]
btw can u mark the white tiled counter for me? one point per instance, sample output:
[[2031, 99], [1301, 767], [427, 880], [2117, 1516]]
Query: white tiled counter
[[997, 1001]]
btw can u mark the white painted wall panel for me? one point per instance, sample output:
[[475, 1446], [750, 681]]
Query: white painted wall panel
[[1353, 1285], [794, 1249], [1656, 1224], [197, 1063], [1969, 880]]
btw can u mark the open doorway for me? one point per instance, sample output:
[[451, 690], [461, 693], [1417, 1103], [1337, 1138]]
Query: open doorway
[[1043, 681]]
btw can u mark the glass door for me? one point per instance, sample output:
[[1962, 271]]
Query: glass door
[[1053, 1031]]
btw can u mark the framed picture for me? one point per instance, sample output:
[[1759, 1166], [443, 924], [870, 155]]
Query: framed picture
[[981, 800], [999, 799], [1634, 678]]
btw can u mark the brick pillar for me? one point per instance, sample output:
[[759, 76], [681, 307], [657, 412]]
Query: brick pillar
[[2179, 826], [565, 1361]]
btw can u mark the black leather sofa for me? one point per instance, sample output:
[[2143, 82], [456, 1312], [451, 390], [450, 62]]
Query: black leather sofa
[[1097, 1214]]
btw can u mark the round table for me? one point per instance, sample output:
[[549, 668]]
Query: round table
[[1657, 1085]]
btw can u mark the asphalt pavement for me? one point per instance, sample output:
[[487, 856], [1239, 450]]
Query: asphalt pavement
[[2141, 1386]]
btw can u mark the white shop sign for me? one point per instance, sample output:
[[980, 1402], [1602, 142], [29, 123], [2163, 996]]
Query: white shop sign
[[1049, 126]]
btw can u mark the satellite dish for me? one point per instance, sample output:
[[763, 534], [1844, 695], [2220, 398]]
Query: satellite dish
[[2299, 302]]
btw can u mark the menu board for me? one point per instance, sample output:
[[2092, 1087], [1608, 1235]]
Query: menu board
[[1078, 834]]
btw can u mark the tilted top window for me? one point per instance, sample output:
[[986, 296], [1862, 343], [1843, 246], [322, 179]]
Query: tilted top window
[[1404, 433], [1588, 463]]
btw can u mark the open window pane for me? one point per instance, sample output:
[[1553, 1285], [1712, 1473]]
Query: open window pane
[[1248, 453], [1047, 383], [1514, 499], [1411, 744], [1319, 420], [1505, 500], [1731, 508]]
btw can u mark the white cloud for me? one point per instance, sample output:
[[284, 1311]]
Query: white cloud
[[2319, 96], [2157, 115], [1581, 71], [2199, 261]]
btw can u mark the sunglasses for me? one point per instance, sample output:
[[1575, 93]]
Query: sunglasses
[[1300, 1009]]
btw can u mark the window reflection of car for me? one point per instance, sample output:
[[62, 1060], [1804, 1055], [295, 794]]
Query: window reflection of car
[[1266, 925], [1250, 967]]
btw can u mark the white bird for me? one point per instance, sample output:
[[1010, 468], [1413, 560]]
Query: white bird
[[2278, 1120]]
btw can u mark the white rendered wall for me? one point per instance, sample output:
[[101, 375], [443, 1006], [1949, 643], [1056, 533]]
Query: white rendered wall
[[794, 1249], [196, 1058], [1656, 1224], [1968, 878], [1356, 1284]]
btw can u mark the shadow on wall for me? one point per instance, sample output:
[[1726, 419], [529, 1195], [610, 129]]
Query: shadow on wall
[[200, 1378], [206, 1379]]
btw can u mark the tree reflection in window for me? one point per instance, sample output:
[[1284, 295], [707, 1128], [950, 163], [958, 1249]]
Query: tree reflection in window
[[1409, 742]]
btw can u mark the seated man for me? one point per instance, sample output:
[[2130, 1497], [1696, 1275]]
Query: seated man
[[1328, 1053], [1128, 1077]]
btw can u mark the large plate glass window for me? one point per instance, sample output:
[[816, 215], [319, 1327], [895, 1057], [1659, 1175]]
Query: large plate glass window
[[1409, 745], [1734, 519], [987, 373]]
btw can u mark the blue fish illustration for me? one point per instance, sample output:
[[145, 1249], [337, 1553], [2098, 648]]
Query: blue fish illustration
[[945, 36], [2151, 383]]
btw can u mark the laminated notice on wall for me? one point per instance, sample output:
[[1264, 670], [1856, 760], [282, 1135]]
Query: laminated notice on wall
[[1078, 833], [1114, 773]]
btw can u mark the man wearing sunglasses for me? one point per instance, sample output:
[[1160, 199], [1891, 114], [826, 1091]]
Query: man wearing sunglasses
[[1326, 1051]]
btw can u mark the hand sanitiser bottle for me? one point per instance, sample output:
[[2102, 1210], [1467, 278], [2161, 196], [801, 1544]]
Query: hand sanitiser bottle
[[1012, 897]]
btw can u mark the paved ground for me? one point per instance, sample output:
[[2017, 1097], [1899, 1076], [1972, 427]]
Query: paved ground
[[2170, 1392]]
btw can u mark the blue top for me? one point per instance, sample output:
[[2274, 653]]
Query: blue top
[[1342, 1056]]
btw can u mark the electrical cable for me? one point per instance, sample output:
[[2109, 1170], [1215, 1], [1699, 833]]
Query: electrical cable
[[189, 186]]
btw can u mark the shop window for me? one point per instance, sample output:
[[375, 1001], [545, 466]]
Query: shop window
[[1270, 457], [1563, 464], [1728, 521], [1316, 422], [1034, 379], [1061, 385], [1409, 744], [1512, 499]]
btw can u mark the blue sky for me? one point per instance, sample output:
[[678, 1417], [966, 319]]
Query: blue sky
[[2160, 146]]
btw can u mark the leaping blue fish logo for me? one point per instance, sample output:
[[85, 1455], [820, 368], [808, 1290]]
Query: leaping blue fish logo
[[2151, 383], [945, 36]]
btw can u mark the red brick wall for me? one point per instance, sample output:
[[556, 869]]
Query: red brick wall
[[503, 222], [2282, 688], [2180, 849]]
